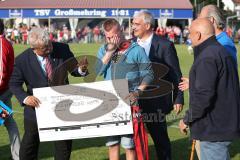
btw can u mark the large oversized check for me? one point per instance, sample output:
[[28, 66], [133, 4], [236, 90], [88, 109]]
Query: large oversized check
[[83, 110]]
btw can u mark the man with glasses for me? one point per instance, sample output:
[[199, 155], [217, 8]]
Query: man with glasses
[[35, 67], [159, 50], [213, 13]]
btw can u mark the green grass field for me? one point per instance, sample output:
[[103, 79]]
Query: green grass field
[[94, 149]]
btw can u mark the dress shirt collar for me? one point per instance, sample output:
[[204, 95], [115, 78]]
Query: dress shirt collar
[[40, 58], [147, 41]]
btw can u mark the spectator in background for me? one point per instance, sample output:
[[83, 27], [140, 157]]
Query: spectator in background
[[24, 34], [189, 46], [185, 34], [178, 34], [51, 37], [66, 34], [126, 33], [171, 36], [46, 28], [79, 34], [89, 35], [9, 33], [7, 62], [60, 36], [96, 33], [229, 31], [85, 33], [16, 35], [160, 31], [168, 29]]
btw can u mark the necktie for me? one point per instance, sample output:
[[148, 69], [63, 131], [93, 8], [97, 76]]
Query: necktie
[[48, 68]]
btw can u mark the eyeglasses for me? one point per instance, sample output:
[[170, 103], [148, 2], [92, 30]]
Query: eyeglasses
[[44, 48], [208, 17], [135, 24]]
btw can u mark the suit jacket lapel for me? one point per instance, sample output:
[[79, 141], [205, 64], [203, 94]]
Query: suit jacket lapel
[[54, 62], [154, 47]]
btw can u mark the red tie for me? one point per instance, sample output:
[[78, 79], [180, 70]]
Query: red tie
[[48, 68]]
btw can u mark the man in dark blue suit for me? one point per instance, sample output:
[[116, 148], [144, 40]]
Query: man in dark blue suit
[[35, 68], [159, 50]]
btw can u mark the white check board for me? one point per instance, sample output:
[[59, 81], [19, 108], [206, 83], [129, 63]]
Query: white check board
[[83, 110]]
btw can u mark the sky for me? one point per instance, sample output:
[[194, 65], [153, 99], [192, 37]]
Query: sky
[[228, 4]]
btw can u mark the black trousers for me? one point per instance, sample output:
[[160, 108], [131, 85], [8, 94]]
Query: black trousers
[[157, 127], [30, 144], [159, 134]]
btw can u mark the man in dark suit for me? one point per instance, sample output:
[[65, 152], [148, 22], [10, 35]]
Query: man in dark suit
[[159, 50], [35, 67]]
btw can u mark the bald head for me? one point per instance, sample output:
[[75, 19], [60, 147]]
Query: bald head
[[204, 26], [200, 30]]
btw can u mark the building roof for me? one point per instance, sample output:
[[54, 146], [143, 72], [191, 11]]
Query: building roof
[[145, 4], [236, 1]]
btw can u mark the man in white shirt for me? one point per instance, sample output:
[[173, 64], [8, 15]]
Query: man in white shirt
[[159, 50]]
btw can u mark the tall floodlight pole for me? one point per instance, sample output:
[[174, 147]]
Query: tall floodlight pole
[[195, 7]]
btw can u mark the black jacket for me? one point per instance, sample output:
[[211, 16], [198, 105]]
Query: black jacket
[[27, 70], [163, 52], [214, 113]]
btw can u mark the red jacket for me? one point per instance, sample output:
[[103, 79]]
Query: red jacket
[[6, 63]]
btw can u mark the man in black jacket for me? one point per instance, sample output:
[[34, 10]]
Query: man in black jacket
[[214, 113], [160, 51], [35, 68]]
